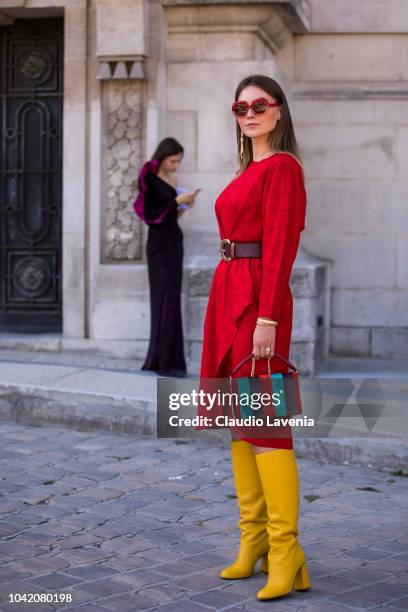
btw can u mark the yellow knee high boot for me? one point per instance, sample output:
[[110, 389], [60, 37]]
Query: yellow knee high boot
[[252, 508], [280, 483]]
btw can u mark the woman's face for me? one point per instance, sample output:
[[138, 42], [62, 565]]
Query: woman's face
[[171, 163], [251, 124]]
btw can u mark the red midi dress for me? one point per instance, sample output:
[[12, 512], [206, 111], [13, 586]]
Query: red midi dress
[[267, 204]]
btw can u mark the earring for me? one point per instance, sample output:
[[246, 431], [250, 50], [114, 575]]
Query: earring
[[241, 150]]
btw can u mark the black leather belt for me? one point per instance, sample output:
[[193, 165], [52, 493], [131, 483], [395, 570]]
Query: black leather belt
[[233, 250]]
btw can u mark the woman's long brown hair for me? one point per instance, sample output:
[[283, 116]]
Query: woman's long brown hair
[[282, 137], [167, 147]]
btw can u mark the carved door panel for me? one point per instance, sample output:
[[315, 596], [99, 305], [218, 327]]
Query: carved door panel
[[31, 98]]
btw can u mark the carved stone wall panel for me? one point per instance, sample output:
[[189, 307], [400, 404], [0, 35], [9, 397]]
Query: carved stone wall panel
[[123, 130]]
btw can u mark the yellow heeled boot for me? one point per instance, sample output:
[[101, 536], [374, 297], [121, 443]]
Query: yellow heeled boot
[[252, 508], [280, 483]]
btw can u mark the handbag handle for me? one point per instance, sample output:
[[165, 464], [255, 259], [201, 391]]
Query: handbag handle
[[251, 356]]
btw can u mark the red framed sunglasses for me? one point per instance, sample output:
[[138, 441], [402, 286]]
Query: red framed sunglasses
[[259, 106]]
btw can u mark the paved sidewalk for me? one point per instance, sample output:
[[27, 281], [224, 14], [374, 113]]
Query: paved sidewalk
[[124, 524]]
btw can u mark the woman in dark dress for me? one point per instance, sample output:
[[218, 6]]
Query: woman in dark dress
[[159, 205]]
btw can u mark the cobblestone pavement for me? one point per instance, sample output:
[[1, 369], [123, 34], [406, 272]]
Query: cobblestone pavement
[[124, 524]]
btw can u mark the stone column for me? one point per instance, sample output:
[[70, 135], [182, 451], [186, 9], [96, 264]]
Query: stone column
[[118, 283], [74, 273]]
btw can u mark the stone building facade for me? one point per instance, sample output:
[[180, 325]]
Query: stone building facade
[[135, 71]]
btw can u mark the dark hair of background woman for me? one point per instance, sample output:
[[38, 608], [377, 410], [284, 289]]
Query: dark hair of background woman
[[282, 138], [166, 147]]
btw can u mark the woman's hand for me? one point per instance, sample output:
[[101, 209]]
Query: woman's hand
[[264, 338], [187, 198]]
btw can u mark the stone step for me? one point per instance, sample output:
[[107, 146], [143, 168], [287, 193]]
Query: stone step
[[30, 342], [98, 393], [69, 390], [364, 367]]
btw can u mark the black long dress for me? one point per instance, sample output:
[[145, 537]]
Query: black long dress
[[164, 250]]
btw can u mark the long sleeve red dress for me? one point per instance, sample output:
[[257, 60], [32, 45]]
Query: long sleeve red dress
[[267, 204]]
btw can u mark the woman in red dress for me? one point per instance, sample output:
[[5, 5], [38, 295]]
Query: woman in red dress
[[250, 309]]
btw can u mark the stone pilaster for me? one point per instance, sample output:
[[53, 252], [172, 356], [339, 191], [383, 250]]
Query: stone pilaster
[[122, 146]]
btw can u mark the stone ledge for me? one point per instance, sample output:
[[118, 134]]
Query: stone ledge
[[380, 454], [350, 90], [310, 276], [83, 412], [310, 284], [79, 411], [386, 342], [292, 12], [31, 342]]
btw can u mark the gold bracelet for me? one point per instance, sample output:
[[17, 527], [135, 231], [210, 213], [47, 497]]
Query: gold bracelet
[[263, 321]]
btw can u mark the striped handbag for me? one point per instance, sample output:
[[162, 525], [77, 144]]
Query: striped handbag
[[282, 387]]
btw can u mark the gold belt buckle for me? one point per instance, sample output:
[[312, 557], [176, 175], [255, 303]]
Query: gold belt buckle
[[224, 242]]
